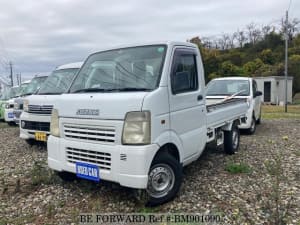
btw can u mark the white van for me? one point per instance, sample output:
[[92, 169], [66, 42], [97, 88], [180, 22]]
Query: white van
[[222, 89], [35, 118]]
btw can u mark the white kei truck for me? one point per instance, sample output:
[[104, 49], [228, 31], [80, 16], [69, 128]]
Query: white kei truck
[[220, 89], [35, 118], [136, 115]]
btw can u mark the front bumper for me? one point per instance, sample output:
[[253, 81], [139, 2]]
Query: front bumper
[[29, 133], [17, 114], [129, 165], [8, 115]]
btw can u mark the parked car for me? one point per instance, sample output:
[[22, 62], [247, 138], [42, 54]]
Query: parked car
[[35, 118], [14, 93], [31, 89], [222, 89], [4, 97], [136, 115]]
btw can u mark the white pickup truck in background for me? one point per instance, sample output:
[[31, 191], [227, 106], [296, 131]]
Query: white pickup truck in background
[[136, 115], [35, 118], [222, 89]]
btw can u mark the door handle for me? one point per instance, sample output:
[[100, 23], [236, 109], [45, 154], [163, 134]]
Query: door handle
[[199, 97]]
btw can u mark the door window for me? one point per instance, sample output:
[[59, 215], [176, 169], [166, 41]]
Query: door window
[[184, 76]]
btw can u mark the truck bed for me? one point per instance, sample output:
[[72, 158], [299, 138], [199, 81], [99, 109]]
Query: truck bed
[[221, 113]]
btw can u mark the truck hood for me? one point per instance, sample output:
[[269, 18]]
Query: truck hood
[[113, 106], [42, 99]]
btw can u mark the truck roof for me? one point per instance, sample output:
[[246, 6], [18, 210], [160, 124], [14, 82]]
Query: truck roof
[[233, 78], [73, 65], [168, 43]]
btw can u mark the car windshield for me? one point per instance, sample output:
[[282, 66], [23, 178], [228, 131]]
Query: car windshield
[[4, 95], [228, 87], [33, 86], [13, 92], [128, 69], [58, 82]]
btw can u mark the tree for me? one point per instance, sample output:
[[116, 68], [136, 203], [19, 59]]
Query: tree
[[267, 56], [241, 38]]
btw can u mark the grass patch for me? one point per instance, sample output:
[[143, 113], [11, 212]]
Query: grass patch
[[4, 125], [277, 112], [40, 174], [236, 168]]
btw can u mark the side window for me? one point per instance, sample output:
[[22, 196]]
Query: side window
[[254, 87], [184, 76]]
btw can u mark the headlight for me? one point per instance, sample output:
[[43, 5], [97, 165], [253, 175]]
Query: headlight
[[7, 105], [54, 124], [136, 128], [25, 105], [16, 105]]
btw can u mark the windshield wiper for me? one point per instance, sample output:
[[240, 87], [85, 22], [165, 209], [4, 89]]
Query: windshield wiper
[[134, 89]]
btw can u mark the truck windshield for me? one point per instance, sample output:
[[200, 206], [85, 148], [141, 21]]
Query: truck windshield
[[228, 87], [128, 69], [58, 82], [33, 86], [22, 89]]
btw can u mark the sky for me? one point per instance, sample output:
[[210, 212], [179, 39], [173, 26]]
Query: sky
[[38, 36]]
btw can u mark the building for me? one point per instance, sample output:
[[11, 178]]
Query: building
[[273, 89]]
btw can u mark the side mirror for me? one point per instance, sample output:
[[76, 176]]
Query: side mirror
[[258, 93], [181, 82]]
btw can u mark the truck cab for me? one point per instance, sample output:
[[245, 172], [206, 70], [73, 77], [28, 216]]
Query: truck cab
[[35, 118], [135, 115]]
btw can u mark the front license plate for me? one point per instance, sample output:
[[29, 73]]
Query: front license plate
[[10, 115], [87, 171], [40, 136]]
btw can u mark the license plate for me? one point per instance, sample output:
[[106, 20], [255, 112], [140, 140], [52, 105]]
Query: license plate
[[87, 171], [40, 136], [10, 115]]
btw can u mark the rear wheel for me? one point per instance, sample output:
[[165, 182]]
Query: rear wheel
[[164, 179], [232, 140]]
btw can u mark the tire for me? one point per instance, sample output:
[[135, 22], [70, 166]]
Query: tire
[[259, 119], [232, 140], [252, 128], [67, 176], [30, 141], [164, 180]]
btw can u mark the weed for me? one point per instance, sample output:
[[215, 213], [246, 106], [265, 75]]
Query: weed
[[235, 168], [40, 174]]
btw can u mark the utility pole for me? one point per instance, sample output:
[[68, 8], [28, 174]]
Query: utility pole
[[286, 59], [11, 73]]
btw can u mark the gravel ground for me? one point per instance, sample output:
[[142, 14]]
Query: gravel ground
[[31, 194]]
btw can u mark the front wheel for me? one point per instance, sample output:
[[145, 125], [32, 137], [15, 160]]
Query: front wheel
[[164, 179], [252, 128], [232, 140]]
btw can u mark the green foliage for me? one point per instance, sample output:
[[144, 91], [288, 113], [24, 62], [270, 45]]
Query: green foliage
[[263, 58], [235, 168]]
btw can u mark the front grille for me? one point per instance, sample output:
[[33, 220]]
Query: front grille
[[31, 125], [90, 133], [40, 109], [101, 159]]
